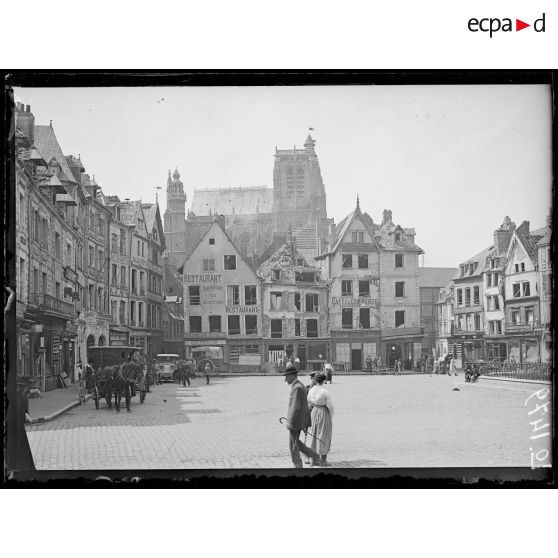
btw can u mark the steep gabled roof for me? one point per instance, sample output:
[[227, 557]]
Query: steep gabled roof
[[153, 220], [344, 226], [435, 276], [47, 145], [479, 259], [202, 238]]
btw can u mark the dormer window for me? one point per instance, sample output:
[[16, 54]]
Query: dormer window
[[397, 237]]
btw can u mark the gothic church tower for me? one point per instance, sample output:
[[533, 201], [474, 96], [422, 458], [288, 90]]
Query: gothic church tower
[[299, 198], [175, 220]]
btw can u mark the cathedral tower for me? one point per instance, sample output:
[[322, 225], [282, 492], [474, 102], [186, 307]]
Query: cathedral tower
[[299, 198], [175, 220]]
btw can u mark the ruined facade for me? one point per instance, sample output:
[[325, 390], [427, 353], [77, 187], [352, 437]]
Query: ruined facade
[[294, 307]]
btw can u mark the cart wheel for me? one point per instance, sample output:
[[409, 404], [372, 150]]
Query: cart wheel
[[96, 397], [142, 396]]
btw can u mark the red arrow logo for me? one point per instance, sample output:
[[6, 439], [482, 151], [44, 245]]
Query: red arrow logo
[[519, 25]]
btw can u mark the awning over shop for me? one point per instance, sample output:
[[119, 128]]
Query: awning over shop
[[400, 333]]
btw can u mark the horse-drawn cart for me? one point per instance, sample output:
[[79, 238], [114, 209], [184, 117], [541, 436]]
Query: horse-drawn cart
[[203, 356], [118, 371]]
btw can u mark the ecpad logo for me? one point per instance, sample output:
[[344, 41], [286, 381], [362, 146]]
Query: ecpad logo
[[493, 25]]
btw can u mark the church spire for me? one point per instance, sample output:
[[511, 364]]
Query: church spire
[[309, 143]]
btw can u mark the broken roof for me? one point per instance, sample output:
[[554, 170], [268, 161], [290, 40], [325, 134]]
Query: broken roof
[[232, 201], [286, 259]]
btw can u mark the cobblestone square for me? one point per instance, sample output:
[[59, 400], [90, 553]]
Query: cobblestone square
[[386, 421]]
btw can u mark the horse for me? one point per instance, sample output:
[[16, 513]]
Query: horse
[[182, 373], [102, 379], [124, 378]]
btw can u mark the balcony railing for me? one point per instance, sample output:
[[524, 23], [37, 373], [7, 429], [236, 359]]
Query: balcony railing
[[49, 303], [522, 325]]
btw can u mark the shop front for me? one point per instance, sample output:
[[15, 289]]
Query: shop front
[[470, 348], [495, 349], [310, 352], [403, 344], [350, 349], [244, 355], [119, 336], [524, 348]]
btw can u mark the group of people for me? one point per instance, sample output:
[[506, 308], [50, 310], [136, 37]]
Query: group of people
[[376, 362], [310, 410]]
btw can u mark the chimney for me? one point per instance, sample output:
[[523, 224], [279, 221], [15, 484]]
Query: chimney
[[386, 216], [503, 236], [25, 121], [523, 228]]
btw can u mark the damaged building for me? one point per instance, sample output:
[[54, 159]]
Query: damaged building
[[295, 309]]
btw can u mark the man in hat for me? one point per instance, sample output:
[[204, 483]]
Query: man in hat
[[298, 418]]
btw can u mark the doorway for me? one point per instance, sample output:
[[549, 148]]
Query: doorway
[[393, 354], [301, 353], [356, 359]]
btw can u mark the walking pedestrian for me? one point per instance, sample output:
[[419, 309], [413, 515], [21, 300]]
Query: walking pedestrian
[[298, 419], [321, 408], [312, 382], [328, 370], [207, 371], [368, 365], [184, 373], [375, 362]]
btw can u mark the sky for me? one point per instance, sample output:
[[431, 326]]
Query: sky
[[448, 160]]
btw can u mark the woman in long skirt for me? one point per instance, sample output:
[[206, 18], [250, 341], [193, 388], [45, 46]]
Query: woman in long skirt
[[321, 409]]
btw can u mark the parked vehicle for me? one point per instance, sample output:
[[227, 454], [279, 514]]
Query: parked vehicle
[[166, 364]]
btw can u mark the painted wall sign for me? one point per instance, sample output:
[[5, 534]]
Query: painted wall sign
[[242, 309], [205, 278], [349, 301]]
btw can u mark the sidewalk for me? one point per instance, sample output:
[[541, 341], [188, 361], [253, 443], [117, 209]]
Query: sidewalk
[[53, 403]]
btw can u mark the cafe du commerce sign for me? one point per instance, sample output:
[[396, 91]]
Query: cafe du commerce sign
[[350, 301]]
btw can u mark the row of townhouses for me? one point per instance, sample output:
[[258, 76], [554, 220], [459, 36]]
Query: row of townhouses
[[498, 304], [358, 298], [89, 266]]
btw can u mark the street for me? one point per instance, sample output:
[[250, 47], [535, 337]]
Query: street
[[379, 421]]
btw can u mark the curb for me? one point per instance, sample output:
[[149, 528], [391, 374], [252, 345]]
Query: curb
[[40, 420], [502, 379]]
